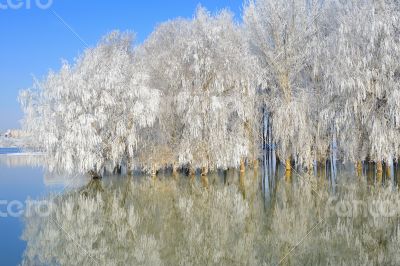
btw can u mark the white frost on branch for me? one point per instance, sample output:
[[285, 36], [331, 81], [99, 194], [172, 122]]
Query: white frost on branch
[[87, 115]]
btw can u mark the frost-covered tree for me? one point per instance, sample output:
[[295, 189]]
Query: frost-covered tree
[[86, 117], [324, 73], [206, 75], [324, 103], [366, 75], [282, 35]]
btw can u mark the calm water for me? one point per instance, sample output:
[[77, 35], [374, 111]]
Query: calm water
[[16, 184], [257, 218], [10, 150], [21, 179]]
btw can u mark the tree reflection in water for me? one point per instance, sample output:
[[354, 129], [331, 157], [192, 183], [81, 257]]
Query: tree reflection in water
[[175, 221]]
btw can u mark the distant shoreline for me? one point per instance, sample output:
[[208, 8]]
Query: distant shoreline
[[17, 151]]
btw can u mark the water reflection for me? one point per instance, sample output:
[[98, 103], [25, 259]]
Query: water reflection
[[37, 160], [21, 160], [258, 217], [152, 222]]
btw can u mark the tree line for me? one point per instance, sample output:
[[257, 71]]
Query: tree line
[[197, 93]]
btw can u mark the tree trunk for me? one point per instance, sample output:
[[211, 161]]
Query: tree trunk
[[388, 171], [359, 168], [175, 169], [204, 171], [255, 163], [379, 168], [191, 171], [288, 165], [129, 168], [370, 173], [310, 169], [242, 166], [94, 175], [204, 177], [288, 169], [153, 171], [379, 171]]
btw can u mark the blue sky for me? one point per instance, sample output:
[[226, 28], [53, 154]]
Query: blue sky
[[34, 40]]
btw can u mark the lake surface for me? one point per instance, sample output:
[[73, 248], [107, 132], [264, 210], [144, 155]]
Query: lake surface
[[261, 217], [10, 150], [17, 183]]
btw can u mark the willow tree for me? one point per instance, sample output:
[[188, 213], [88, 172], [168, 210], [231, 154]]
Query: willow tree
[[281, 34], [205, 73], [367, 77], [86, 116], [325, 103]]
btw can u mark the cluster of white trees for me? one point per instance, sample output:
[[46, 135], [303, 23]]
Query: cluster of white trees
[[196, 93]]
